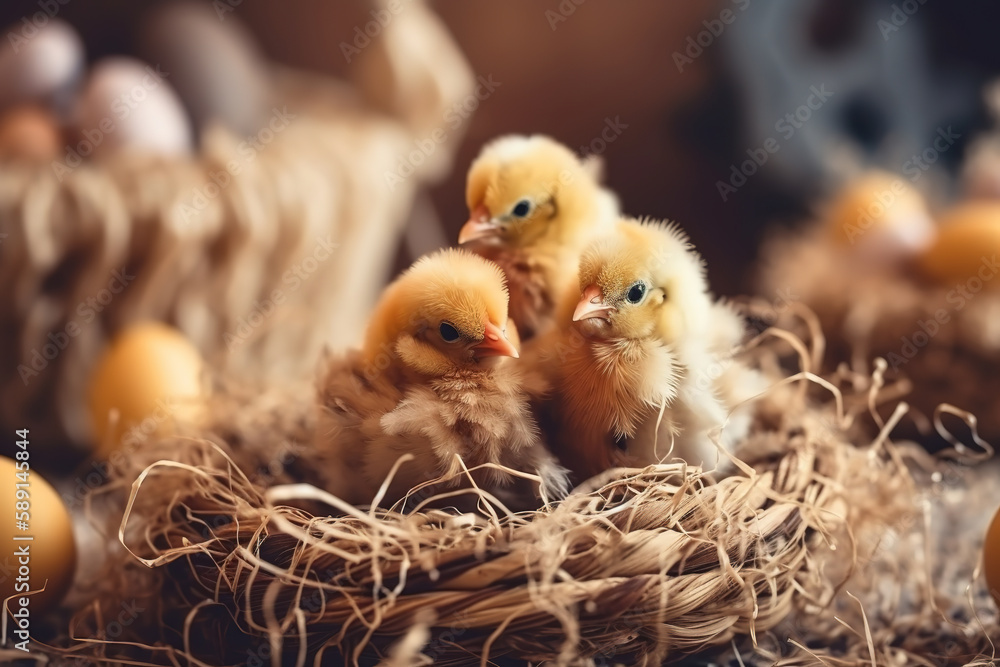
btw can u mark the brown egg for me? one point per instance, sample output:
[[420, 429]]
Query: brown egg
[[967, 245], [29, 133], [991, 558], [51, 551], [149, 379], [880, 217]]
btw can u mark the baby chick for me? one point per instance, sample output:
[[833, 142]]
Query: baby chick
[[432, 381], [641, 356], [533, 207]]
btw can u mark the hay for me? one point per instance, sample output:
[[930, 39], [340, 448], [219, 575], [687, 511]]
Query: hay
[[867, 315], [815, 550]]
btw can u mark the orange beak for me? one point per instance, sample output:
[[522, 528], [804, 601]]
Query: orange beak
[[591, 305], [479, 226], [495, 344]]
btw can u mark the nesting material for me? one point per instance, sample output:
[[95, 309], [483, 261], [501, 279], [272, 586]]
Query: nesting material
[[260, 249], [943, 339], [638, 567]]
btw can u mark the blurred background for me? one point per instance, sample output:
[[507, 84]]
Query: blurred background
[[687, 112]]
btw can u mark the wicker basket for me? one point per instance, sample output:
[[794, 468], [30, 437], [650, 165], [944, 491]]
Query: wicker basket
[[236, 560], [259, 252]]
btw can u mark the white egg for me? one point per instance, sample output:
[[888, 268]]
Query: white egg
[[129, 105], [39, 63], [214, 62]]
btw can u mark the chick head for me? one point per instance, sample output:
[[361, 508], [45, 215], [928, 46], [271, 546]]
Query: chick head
[[525, 191], [644, 281], [448, 310]]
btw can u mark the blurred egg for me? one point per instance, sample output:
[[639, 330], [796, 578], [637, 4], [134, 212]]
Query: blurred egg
[[881, 218], [215, 65], [149, 378], [29, 133], [128, 105], [991, 557], [967, 245], [39, 63], [52, 549]]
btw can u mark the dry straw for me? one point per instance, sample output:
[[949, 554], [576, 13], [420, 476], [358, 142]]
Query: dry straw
[[897, 316], [812, 550]]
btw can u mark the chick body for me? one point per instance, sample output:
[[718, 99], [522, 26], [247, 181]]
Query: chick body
[[431, 381], [641, 361], [533, 207]]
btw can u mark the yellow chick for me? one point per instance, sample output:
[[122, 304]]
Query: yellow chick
[[641, 356], [433, 381], [533, 207]]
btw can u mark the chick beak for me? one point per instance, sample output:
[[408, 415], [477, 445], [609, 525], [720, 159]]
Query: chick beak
[[479, 226], [495, 344], [591, 305]]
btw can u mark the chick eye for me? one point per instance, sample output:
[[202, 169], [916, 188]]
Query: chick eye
[[636, 292], [448, 332], [521, 208]]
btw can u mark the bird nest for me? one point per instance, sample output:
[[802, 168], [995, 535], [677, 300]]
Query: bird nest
[[811, 546], [944, 341]]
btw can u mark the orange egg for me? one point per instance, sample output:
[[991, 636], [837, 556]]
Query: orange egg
[[967, 245], [880, 215], [991, 558], [29, 133], [149, 379], [51, 557]]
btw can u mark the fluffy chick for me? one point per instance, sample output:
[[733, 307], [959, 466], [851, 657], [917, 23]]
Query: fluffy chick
[[533, 207], [641, 358], [432, 381]]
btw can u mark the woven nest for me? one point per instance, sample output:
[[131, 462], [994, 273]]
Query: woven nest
[[814, 546], [259, 264], [896, 316]]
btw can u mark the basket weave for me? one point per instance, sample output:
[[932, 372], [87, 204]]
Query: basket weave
[[258, 269], [813, 548]]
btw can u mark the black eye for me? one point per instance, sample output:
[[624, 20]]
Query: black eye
[[635, 293], [521, 208], [448, 332]]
